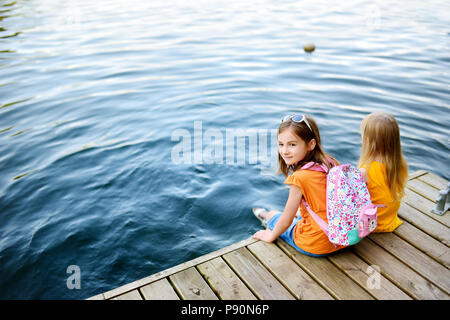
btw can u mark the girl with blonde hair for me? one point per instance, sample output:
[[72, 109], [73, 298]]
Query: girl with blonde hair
[[383, 166]]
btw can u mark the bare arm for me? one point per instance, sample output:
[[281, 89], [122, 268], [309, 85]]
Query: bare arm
[[292, 204]]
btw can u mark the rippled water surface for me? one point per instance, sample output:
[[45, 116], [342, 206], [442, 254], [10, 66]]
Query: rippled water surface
[[96, 97]]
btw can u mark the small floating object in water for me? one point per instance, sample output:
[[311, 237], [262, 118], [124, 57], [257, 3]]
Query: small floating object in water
[[309, 47]]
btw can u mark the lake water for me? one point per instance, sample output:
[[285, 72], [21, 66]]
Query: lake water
[[97, 98]]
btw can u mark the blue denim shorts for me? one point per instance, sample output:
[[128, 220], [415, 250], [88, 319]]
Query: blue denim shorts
[[288, 235]]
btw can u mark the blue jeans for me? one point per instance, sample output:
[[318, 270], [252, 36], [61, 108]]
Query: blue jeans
[[288, 235]]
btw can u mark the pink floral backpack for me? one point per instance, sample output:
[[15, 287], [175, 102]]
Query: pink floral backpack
[[350, 212]]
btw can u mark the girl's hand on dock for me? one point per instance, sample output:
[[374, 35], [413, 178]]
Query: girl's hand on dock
[[264, 235]]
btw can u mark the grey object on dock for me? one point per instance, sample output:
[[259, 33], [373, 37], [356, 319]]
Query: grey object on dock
[[442, 202]]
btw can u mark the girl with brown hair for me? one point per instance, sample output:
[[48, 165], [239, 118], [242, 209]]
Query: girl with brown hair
[[298, 144]]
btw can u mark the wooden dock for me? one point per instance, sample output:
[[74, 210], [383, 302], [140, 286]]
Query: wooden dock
[[410, 263]]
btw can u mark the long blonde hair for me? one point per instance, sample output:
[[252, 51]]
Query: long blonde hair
[[380, 134], [301, 130]]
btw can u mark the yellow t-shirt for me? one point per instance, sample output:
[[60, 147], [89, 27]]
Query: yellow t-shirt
[[307, 233], [379, 191]]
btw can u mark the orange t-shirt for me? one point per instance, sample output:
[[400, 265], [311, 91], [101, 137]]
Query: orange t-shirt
[[307, 233], [379, 191]]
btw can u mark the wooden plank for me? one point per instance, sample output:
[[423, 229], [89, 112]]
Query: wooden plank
[[399, 273], [425, 223], [381, 288], [420, 253], [416, 174], [190, 285], [434, 180], [262, 283], [97, 297], [415, 259], [224, 282], [326, 274], [132, 295], [165, 273], [424, 205], [159, 290], [297, 281], [422, 241], [424, 189]]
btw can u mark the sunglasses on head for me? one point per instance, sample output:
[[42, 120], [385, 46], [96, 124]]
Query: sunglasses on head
[[298, 118]]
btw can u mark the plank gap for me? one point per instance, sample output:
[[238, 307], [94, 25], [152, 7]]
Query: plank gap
[[357, 269], [416, 174], [175, 269], [273, 273], [433, 248], [388, 276], [424, 205], [192, 286], [434, 180], [402, 275], [350, 276], [224, 281], [174, 288], [414, 219], [410, 256], [287, 272], [256, 275], [423, 189], [241, 278], [309, 273], [160, 289], [208, 282], [336, 295]]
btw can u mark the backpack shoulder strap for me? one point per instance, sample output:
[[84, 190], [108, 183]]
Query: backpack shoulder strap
[[318, 167], [322, 224], [315, 167]]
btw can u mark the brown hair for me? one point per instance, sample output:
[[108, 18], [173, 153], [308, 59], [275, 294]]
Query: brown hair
[[301, 130], [380, 135]]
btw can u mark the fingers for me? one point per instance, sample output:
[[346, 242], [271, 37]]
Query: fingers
[[263, 235], [256, 234]]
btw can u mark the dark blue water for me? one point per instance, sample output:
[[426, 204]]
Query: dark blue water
[[97, 97]]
